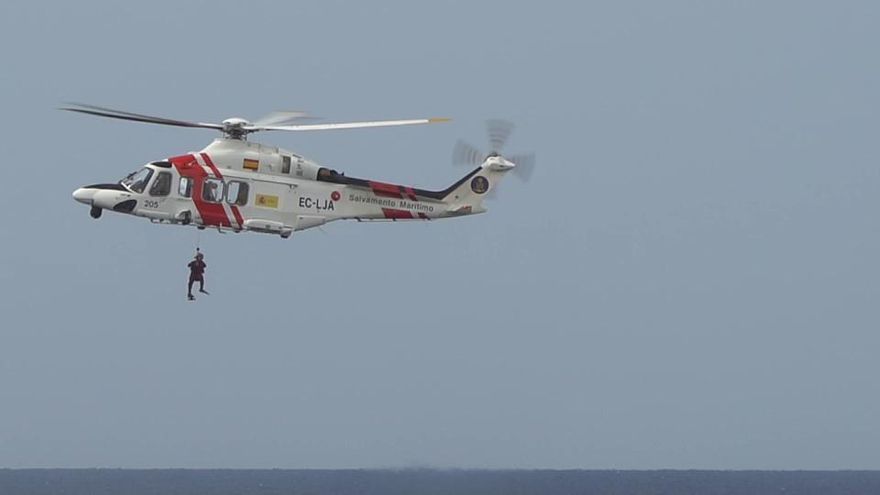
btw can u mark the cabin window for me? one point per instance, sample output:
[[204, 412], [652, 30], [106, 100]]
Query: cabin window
[[162, 185], [285, 164], [237, 193], [185, 189], [212, 190]]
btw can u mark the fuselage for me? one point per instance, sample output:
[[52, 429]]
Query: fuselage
[[244, 186]]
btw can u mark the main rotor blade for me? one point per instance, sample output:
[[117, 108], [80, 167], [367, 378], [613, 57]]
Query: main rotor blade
[[466, 154], [499, 131], [343, 125], [280, 117], [525, 165], [137, 117]]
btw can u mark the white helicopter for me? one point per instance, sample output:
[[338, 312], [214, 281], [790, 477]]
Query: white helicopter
[[237, 185]]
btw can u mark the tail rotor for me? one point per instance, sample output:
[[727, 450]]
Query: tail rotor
[[498, 132]]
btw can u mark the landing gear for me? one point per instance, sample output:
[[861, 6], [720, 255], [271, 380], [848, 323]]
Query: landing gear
[[95, 212]]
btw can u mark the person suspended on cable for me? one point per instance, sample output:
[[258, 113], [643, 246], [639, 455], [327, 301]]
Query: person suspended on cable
[[197, 274]]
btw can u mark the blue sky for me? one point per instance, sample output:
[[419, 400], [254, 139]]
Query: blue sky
[[688, 281]]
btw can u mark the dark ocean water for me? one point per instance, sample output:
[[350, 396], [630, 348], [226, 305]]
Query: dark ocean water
[[425, 481]]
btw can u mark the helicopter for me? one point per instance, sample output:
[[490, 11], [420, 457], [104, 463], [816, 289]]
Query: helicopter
[[241, 186]]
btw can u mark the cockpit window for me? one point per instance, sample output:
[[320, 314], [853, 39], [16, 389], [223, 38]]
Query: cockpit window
[[138, 180], [162, 185]]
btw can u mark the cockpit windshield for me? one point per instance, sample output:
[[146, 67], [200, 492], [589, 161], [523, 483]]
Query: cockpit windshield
[[137, 180]]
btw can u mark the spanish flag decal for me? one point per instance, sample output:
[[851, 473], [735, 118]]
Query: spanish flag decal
[[267, 201], [250, 164]]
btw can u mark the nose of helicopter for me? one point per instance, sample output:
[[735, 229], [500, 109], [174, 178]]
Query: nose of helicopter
[[84, 195]]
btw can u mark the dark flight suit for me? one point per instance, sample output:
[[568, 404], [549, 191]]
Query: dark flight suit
[[196, 273]]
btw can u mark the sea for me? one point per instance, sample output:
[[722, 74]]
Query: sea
[[431, 481]]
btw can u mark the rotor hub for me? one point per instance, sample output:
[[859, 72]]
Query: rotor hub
[[234, 128]]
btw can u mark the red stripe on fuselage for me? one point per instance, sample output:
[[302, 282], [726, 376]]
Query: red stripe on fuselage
[[410, 193], [211, 165], [387, 190], [235, 212], [212, 213], [396, 214]]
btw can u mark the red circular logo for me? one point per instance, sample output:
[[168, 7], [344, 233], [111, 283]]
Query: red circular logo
[[335, 195]]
